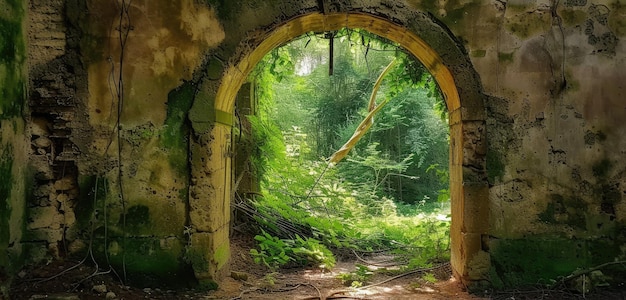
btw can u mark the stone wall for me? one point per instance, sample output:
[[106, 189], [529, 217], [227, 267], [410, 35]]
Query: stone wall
[[128, 131], [13, 143], [553, 75]]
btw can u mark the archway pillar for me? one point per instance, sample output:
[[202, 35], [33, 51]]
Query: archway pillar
[[209, 202], [469, 193]]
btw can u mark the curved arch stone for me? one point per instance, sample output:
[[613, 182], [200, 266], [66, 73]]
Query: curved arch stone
[[430, 42]]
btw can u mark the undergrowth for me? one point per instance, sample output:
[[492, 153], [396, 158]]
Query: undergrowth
[[383, 197], [308, 211]]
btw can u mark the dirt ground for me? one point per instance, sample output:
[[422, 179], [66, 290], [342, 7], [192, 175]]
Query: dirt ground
[[251, 281]]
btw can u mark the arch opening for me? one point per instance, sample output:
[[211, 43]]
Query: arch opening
[[297, 109], [468, 185]]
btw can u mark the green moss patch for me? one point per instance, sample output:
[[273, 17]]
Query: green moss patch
[[570, 210], [222, 255], [543, 260], [93, 190], [572, 17], [530, 261], [601, 169], [505, 57], [6, 166], [137, 216], [12, 57], [149, 261], [495, 166], [525, 25], [478, 53], [175, 134]]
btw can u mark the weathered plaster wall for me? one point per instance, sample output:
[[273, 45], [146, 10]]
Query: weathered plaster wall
[[123, 104], [13, 143], [108, 105], [554, 78], [140, 81]]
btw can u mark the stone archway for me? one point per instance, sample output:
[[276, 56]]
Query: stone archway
[[210, 192]]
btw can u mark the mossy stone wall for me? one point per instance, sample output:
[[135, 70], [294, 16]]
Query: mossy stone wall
[[549, 75], [13, 142]]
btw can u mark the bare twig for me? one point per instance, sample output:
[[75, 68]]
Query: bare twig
[[589, 270], [377, 264], [403, 275]]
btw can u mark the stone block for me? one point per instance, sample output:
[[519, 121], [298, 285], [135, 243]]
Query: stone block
[[475, 208], [65, 184], [45, 217], [221, 251], [202, 113], [474, 144], [199, 254], [210, 253], [478, 266], [457, 206], [472, 174], [465, 247], [456, 175], [43, 168], [470, 245]]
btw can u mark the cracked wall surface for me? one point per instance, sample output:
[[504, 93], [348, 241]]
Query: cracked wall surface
[[125, 127]]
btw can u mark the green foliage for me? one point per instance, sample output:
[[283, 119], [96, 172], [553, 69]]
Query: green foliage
[[313, 251], [272, 251], [269, 144], [429, 277], [379, 198], [357, 277], [275, 252], [443, 174]]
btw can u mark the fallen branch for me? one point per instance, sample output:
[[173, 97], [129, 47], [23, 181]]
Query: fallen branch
[[578, 273], [384, 263], [402, 275]]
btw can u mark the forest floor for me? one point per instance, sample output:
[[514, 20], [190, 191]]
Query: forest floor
[[251, 281]]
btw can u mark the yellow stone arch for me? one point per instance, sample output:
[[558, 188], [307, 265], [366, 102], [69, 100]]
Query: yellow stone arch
[[317, 22], [469, 258]]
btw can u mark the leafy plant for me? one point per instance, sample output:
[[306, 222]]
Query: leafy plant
[[429, 277], [357, 277], [273, 252], [312, 251]]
